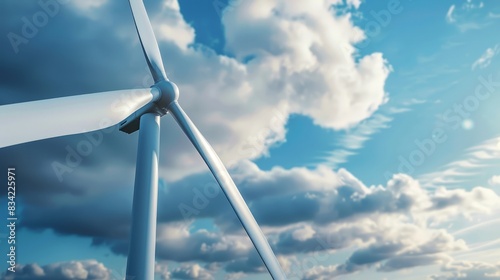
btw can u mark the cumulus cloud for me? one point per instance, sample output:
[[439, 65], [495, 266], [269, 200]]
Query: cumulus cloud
[[81, 270], [291, 42], [161, 269], [191, 271], [172, 27], [302, 211], [256, 96], [176, 243], [274, 66], [405, 246]]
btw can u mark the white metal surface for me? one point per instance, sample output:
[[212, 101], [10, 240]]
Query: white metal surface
[[148, 40], [230, 190], [141, 256], [36, 120]]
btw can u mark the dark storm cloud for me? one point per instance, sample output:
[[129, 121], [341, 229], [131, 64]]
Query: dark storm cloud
[[73, 53], [199, 246], [286, 209], [411, 261], [67, 56], [323, 239], [344, 206], [251, 264], [104, 215], [194, 197], [373, 254], [105, 211]]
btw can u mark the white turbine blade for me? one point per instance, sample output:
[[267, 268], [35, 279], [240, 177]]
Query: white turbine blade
[[36, 120], [230, 190], [148, 40]]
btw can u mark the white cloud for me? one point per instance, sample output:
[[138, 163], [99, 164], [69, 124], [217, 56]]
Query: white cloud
[[355, 3], [355, 138], [468, 16], [161, 269], [82, 270], [191, 271], [469, 270], [238, 104], [303, 233], [458, 202], [303, 60], [449, 15], [337, 93], [493, 15], [486, 58], [301, 211], [299, 65], [88, 4], [470, 5], [458, 171], [169, 25], [494, 180]]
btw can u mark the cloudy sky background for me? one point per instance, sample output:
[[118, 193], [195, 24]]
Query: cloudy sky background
[[363, 134]]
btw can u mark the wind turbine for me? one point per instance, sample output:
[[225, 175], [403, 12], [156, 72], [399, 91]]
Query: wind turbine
[[78, 114]]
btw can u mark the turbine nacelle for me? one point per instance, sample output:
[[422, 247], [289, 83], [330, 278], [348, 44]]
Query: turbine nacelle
[[164, 93]]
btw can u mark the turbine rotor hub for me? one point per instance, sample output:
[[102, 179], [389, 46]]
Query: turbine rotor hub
[[167, 93]]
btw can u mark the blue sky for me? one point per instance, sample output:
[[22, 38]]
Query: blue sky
[[363, 134]]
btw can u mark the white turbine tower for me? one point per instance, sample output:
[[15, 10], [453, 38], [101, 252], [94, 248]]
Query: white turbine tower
[[43, 119]]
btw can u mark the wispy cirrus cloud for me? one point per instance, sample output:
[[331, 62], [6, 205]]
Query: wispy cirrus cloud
[[467, 16], [355, 138], [485, 59], [449, 15], [471, 163]]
